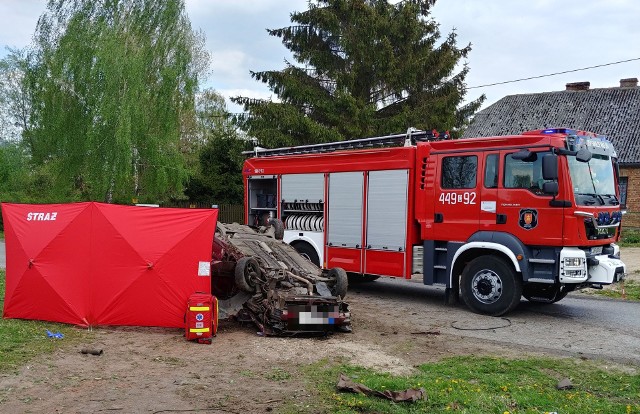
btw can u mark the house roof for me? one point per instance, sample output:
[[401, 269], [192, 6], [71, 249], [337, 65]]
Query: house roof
[[613, 112]]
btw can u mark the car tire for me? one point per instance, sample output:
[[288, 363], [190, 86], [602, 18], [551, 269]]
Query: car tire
[[339, 283], [278, 228], [246, 273]]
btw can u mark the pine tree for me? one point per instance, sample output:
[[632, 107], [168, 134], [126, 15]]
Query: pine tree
[[364, 68]]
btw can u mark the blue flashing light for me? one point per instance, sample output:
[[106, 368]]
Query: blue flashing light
[[558, 131]]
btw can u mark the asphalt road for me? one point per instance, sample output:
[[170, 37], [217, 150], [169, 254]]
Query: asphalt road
[[580, 325]]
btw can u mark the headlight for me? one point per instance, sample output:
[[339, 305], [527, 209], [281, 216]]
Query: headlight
[[573, 261]]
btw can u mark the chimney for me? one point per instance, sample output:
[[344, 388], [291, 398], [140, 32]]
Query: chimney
[[578, 86], [629, 83]]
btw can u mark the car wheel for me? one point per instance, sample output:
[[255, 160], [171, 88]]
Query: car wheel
[[247, 273], [339, 282], [278, 228]]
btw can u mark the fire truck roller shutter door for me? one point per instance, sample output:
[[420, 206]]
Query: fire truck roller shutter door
[[346, 209], [387, 209]]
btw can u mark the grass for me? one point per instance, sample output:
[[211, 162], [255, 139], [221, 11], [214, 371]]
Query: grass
[[631, 290], [630, 238], [487, 385], [21, 340]]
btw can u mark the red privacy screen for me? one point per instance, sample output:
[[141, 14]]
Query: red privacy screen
[[103, 264]]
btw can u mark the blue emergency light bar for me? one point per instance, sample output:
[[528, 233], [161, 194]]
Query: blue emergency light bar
[[559, 131]]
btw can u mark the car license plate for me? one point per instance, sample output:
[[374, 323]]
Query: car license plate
[[596, 250], [312, 316]]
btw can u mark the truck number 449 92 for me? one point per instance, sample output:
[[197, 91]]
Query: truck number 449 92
[[458, 198]]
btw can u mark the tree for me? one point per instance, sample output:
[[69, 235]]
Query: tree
[[112, 82], [219, 147], [14, 96], [366, 67]]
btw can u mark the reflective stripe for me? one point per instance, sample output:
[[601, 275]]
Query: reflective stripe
[[199, 308], [199, 330]]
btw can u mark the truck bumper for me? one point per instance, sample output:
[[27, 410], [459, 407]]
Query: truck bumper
[[607, 270]]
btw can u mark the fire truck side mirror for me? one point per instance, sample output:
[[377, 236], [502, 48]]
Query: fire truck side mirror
[[583, 155], [550, 167], [550, 187]]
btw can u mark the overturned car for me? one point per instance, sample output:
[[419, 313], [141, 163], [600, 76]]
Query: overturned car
[[280, 291]]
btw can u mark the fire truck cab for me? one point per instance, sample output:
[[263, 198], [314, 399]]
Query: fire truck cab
[[491, 219]]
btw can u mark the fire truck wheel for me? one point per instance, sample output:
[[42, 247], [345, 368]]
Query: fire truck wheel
[[360, 278], [339, 282], [278, 227], [543, 296], [247, 272], [308, 252], [490, 286]]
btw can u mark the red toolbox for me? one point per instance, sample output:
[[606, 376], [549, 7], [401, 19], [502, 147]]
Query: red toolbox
[[201, 319]]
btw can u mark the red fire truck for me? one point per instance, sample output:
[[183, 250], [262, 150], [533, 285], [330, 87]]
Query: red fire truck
[[492, 219]]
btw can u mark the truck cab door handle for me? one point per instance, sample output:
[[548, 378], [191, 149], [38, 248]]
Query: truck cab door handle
[[438, 218], [501, 219]]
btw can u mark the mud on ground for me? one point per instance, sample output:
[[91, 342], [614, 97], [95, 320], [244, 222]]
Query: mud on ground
[[156, 370]]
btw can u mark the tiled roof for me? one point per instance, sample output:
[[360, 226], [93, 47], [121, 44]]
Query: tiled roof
[[613, 112]]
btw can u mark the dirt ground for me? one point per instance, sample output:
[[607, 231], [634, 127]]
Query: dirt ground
[[156, 370]]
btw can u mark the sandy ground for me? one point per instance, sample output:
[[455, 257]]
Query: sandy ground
[[156, 370]]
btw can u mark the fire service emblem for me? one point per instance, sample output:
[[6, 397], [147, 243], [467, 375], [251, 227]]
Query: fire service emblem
[[528, 218]]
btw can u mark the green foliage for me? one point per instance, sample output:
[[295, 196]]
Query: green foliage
[[366, 67], [111, 84], [218, 179], [630, 238], [489, 385], [21, 340], [277, 374], [629, 290], [14, 98]]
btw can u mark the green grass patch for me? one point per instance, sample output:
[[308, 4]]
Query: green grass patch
[[21, 340], [277, 374], [487, 385], [630, 238], [629, 289]]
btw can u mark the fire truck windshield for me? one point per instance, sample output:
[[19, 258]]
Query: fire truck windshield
[[593, 181]]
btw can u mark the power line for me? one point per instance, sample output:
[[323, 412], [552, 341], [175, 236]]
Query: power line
[[553, 74]]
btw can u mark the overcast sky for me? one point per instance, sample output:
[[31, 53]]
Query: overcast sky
[[511, 39]]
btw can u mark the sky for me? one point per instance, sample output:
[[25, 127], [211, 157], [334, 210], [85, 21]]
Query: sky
[[511, 39]]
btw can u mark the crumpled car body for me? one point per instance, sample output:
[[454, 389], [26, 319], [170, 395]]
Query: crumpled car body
[[261, 279]]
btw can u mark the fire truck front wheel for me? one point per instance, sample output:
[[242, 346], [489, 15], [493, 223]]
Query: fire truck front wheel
[[490, 286]]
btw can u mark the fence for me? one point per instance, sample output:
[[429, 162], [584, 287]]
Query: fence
[[227, 213]]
